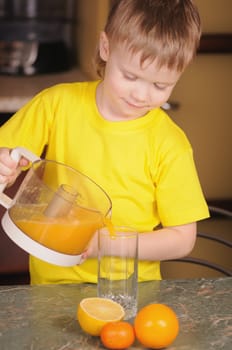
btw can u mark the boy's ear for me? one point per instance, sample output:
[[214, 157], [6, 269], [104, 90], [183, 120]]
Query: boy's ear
[[104, 46]]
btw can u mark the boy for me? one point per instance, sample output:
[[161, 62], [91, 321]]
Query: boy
[[114, 131]]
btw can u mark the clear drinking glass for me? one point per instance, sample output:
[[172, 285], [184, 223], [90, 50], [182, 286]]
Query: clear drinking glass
[[118, 267]]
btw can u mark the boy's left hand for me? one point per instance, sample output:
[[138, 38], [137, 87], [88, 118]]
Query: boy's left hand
[[92, 249]]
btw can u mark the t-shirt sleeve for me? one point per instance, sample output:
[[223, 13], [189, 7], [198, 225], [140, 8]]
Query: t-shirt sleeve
[[29, 127], [180, 198]]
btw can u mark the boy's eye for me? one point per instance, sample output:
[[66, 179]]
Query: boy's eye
[[159, 86], [129, 76]]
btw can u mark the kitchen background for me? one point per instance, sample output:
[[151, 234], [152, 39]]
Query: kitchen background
[[56, 43]]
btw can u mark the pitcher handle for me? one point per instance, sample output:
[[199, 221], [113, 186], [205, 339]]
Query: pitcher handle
[[15, 154]]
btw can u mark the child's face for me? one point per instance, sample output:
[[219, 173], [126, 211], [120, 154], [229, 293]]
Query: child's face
[[128, 90]]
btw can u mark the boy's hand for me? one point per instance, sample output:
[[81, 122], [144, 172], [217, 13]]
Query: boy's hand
[[9, 168], [92, 249]]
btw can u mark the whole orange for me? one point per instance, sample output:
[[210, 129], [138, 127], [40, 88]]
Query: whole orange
[[117, 335], [156, 326]]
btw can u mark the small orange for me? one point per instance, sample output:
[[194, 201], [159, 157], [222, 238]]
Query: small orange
[[117, 335], [156, 326]]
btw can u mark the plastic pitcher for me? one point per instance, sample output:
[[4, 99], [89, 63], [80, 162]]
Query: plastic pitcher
[[55, 211]]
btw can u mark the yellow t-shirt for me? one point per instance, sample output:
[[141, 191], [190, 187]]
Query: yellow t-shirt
[[145, 165]]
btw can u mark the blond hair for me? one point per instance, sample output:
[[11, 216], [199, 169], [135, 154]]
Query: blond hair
[[167, 31]]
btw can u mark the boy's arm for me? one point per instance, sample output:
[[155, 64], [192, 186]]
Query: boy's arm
[[167, 243], [164, 244]]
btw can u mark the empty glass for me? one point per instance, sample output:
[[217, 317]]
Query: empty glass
[[118, 267]]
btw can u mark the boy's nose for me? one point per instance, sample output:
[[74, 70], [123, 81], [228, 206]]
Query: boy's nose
[[140, 94]]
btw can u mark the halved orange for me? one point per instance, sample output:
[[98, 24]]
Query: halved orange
[[93, 313]]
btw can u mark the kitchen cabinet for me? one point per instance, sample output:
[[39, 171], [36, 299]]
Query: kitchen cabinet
[[203, 95], [14, 262], [18, 90], [215, 15], [91, 17]]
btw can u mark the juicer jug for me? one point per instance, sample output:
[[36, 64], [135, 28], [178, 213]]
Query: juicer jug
[[55, 211]]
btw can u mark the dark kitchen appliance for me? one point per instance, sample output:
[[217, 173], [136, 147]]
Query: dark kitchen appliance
[[36, 36]]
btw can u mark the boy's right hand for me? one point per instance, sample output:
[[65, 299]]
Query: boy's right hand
[[9, 168]]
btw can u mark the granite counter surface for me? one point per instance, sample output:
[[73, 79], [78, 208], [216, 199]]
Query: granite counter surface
[[44, 317], [15, 91]]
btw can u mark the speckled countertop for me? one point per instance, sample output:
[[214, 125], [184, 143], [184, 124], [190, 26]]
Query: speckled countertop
[[15, 91], [44, 317]]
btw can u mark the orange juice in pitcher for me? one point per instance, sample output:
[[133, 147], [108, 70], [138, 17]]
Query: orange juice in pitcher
[[69, 235]]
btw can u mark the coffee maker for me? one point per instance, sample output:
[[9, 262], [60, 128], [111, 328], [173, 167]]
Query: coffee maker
[[36, 36]]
